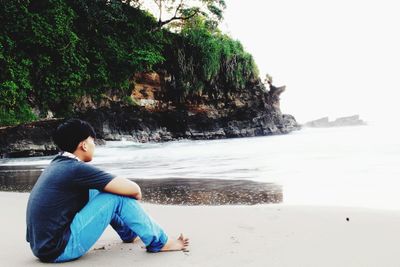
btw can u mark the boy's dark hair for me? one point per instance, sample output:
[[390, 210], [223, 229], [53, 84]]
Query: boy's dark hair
[[70, 133]]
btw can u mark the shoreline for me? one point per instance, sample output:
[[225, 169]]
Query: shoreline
[[259, 235], [144, 126], [167, 191]]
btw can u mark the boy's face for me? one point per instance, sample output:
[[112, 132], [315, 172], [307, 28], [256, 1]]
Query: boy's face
[[88, 147]]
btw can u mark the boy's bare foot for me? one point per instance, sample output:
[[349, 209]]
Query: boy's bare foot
[[182, 243]]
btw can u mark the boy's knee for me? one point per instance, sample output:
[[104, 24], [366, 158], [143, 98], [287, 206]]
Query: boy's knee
[[104, 196], [117, 198], [130, 200], [93, 193]]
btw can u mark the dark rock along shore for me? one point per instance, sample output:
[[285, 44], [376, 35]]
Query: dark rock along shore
[[252, 111]]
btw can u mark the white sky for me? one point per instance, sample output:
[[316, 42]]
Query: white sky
[[336, 58]]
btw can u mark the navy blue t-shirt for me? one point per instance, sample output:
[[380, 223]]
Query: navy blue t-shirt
[[61, 191]]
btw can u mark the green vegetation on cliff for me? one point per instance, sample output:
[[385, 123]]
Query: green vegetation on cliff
[[54, 51], [203, 59]]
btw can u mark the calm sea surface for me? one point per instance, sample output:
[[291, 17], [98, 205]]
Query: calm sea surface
[[348, 166]]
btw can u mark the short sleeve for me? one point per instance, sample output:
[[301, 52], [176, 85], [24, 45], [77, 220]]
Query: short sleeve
[[90, 177]]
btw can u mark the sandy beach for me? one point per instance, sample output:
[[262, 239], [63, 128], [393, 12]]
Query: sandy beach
[[260, 235]]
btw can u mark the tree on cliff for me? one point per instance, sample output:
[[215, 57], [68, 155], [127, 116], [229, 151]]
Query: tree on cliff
[[203, 59], [179, 11]]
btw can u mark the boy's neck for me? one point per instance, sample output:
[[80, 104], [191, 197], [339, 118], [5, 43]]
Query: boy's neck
[[70, 155]]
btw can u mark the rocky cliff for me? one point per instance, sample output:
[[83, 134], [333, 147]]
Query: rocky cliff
[[154, 115]]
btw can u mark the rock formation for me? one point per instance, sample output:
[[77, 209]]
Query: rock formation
[[343, 121], [154, 116]]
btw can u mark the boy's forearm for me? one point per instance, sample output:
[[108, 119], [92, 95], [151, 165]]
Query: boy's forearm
[[124, 187], [135, 190]]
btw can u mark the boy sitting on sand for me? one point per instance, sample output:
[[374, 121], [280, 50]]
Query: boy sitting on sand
[[72, 203]]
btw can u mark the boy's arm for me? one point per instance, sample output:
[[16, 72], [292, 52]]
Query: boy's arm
[[124, 187]]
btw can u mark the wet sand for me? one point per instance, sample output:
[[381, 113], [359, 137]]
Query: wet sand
[[173, 191], [258, 235]]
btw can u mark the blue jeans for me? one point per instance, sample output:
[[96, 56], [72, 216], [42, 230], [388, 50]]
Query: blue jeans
[[124, 214]]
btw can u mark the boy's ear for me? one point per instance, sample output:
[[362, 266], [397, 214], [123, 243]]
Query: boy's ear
[[84, 146]]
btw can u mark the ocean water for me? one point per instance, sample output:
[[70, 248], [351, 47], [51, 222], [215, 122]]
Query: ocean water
[[345, 166]]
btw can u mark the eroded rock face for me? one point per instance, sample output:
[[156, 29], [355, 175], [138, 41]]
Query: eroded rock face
[[253, 111], [31, 139], [243, 113]]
